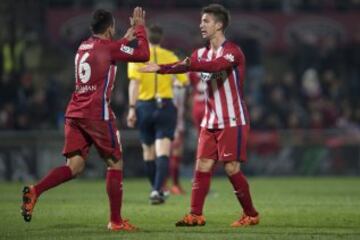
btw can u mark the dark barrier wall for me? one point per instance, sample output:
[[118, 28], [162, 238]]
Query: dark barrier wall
[[275, 30], [30, 155]]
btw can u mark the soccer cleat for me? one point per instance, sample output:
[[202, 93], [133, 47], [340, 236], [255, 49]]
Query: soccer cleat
[[165, 194], [123, 226], [156, 198], [177, 190], [246, 220], [29, 201], [191, 220]]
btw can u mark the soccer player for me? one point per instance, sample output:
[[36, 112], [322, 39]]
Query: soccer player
[[89, 118], [177, 145], [152, 109], [225, 125]]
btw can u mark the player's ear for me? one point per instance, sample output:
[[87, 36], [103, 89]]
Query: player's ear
[[219, 26]]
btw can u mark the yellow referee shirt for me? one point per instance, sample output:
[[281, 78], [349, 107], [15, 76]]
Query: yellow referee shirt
[[152, 84]]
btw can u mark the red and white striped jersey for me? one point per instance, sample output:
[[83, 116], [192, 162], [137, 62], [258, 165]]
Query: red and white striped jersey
[[95, 72], [223, 72]]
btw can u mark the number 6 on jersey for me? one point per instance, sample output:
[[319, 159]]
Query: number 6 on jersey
[[83, 69]]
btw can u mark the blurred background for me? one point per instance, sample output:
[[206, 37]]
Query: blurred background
[[302, 82]]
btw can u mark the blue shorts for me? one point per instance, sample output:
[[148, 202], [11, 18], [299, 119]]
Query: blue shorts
[[155, 122]]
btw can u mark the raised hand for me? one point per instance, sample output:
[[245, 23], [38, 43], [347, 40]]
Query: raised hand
[[149, 67], [138, 17], [185, 62]]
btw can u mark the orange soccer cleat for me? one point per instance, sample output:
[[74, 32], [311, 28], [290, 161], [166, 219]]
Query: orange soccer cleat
[[177, 190], [191, 220], [246, 220], [29, 201], [123, 226]]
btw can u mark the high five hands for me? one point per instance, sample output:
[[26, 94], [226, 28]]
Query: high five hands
[[151, 67], [137, 18]]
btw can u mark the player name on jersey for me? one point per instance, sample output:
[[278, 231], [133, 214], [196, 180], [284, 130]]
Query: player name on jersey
[[85, 88]]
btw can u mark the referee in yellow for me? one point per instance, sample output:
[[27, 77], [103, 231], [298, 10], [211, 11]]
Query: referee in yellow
[[152, 111]]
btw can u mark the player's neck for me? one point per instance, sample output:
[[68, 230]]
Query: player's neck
[[102, 36], [217, 41]]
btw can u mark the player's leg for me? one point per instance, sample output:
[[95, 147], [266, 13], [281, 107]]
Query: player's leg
[[149, 162], [242, 191], [76, 148], [54, 178], [109, 147], [206, 155], [232, 150], [200, 189], [164, 124], [114, 179], [114, 176], [74, 166], [175, 158], [162, 150], [144, 112]]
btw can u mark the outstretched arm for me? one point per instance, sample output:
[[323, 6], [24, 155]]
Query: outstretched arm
[[178, 67], [193, 64], [172, 68], [231, 58]]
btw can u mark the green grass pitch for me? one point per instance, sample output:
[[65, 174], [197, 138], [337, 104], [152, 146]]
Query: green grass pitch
[[291, 208]]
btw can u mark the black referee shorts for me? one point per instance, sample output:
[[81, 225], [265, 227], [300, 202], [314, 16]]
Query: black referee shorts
[[155, 122]]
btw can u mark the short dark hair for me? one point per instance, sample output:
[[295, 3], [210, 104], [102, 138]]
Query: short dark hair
[[101, 20], [220, 12], [155, 34]]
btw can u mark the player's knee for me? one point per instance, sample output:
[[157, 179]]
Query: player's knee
[[232, 168], [204, 165], [76, 164], [148, 152], [163, 146]]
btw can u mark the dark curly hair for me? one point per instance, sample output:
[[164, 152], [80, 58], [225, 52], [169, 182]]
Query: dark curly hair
[[101, 20]]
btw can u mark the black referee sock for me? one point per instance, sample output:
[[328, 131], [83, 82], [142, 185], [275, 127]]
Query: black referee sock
[[150, 169], [162, 171]]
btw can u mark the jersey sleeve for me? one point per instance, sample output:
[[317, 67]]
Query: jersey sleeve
[[133, 72], [231, 57], [121, 51]]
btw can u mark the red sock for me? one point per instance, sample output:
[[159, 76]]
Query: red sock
[[174, 169], [114, 191], [55, 177], [200, 188], [242, 193]]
